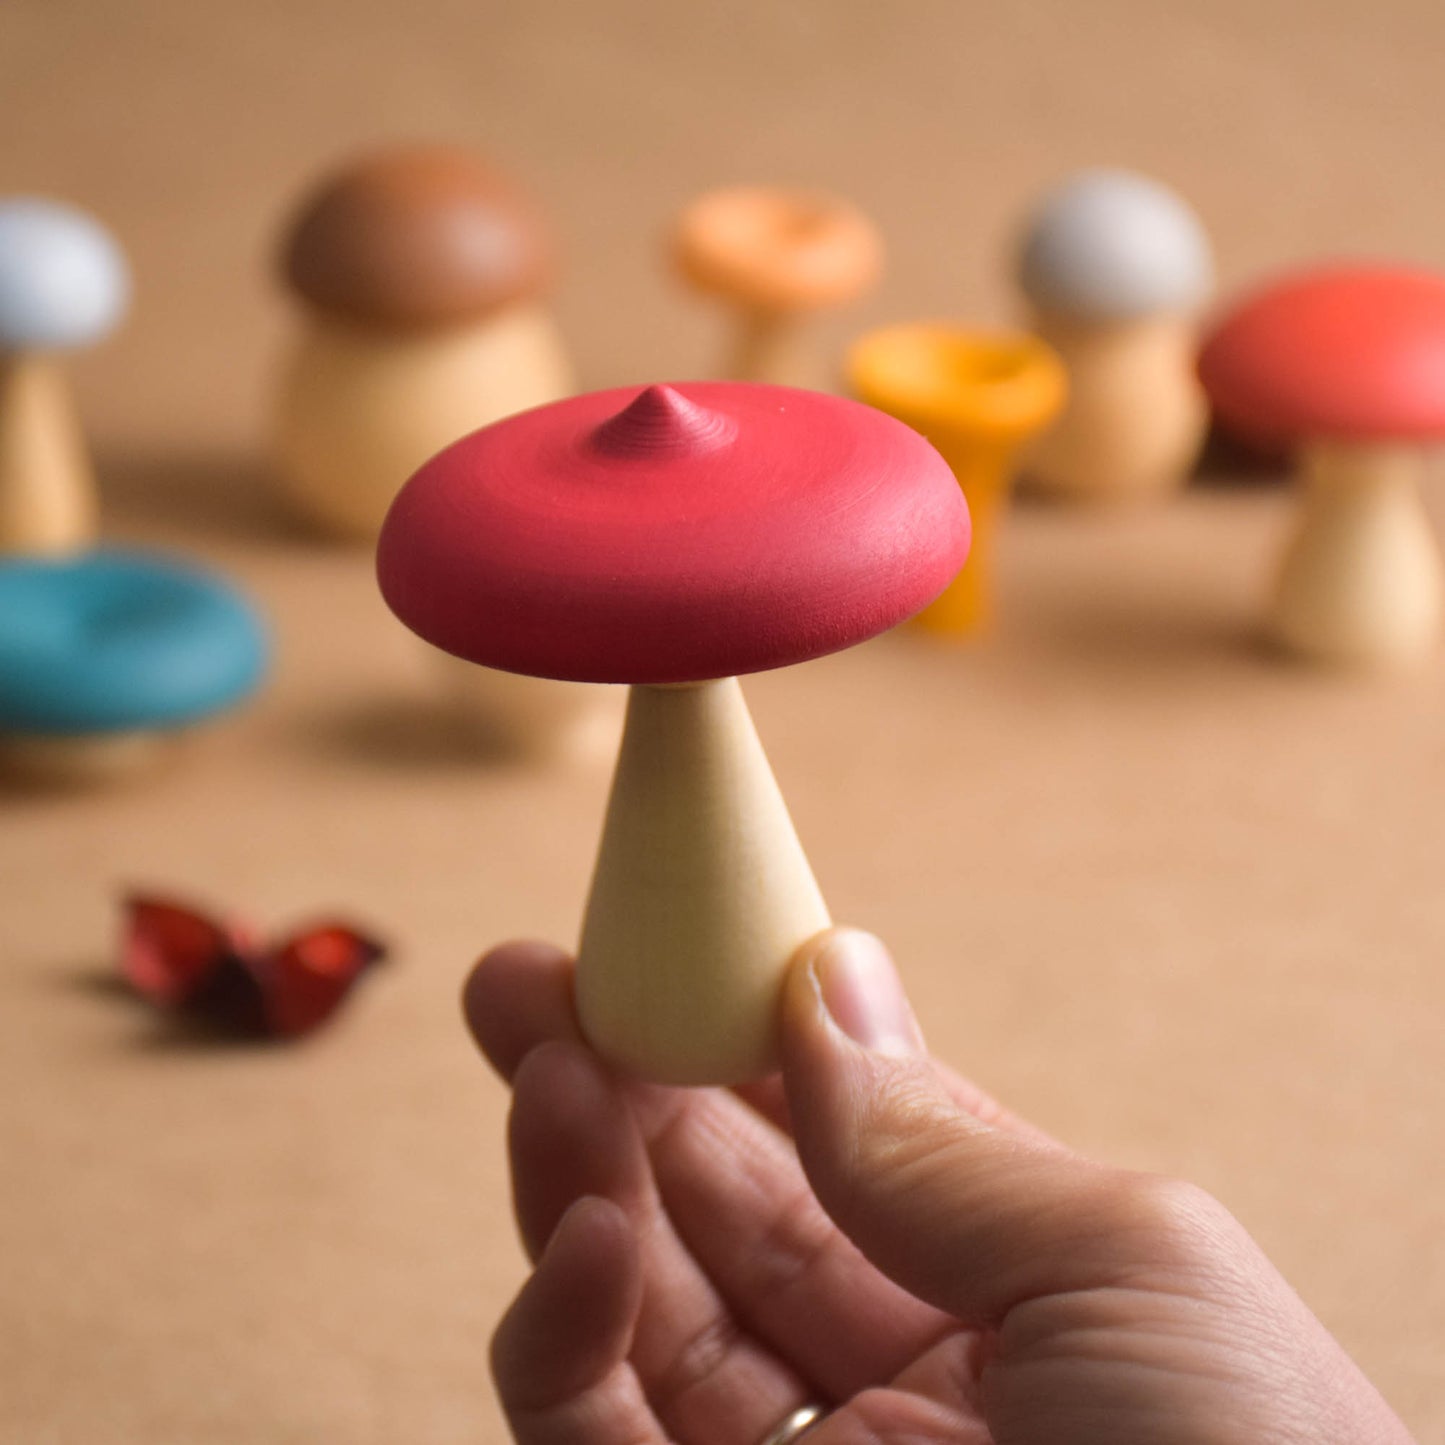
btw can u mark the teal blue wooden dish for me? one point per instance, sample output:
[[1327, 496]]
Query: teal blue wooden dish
[[105, 651]]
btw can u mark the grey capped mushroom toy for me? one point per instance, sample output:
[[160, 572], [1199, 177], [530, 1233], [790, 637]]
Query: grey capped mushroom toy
[[1115, 269], [63, 284]]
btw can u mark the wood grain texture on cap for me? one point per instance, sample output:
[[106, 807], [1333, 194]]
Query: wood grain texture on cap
[[672, 534], [416, 238]]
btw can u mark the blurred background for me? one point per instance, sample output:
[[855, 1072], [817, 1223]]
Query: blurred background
[[1295, 129], [1179, 905]]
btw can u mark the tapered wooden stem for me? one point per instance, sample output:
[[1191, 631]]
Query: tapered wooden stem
[[1135, 419], [1361, 580], [47, 488], [768, 346], [358, 410], [984, 468], [700, 896]]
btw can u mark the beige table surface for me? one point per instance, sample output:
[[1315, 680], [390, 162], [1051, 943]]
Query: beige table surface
[[1178, 903]]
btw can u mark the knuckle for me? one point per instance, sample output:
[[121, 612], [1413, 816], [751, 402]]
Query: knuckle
[[1174, 1221], [905, 1134], [796, 1243], [1175, 1208], [507, 1365], [701, 1357], [881, 1415], [906, 1144]]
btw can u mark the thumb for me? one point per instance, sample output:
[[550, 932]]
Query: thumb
[[972, 1218]]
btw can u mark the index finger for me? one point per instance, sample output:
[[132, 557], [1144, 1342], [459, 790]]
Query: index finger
[[520, 995]]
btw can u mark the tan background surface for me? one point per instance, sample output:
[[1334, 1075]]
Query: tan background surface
[[1178, 904]]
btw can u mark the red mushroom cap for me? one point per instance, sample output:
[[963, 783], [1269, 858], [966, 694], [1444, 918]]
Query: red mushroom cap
[[674, 534], [1348, 352]]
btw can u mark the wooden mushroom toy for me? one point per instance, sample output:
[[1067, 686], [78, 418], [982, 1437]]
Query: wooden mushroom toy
[[1348, 363], [1115, 268], [421, 273], [674, 538], [105, 655], [63, 284], [979, 397], [774, 256]]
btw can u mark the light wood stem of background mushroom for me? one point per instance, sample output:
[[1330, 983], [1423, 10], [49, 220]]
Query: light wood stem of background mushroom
[[358, 411], [701, 895], [82, 760], [769, 346], [47, 487], [1135, 420], [512, 716], [1361, 580]]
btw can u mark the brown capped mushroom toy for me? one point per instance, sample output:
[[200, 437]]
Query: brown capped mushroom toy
[[1348, 363], [672, 539], [421, 272], [774, 256]]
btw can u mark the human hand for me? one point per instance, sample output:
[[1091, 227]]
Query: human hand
[[872, 1234]]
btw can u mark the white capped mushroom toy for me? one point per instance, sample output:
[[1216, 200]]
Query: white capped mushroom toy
[[63, 284], [673, 538], [1115, 269]]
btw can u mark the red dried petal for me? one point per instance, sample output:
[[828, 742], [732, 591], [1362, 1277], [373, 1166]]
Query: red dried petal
[[169, 952], [305, 979]]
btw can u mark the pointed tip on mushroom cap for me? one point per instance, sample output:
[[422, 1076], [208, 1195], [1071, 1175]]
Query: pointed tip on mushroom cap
[[662, 422], [1110, 245], [63, 279]]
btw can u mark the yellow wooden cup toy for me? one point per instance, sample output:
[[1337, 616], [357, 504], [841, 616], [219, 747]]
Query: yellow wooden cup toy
[[979, 397]]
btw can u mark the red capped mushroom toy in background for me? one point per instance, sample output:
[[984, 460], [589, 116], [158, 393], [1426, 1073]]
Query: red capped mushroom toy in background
[[673, 538], [1347, 365]]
